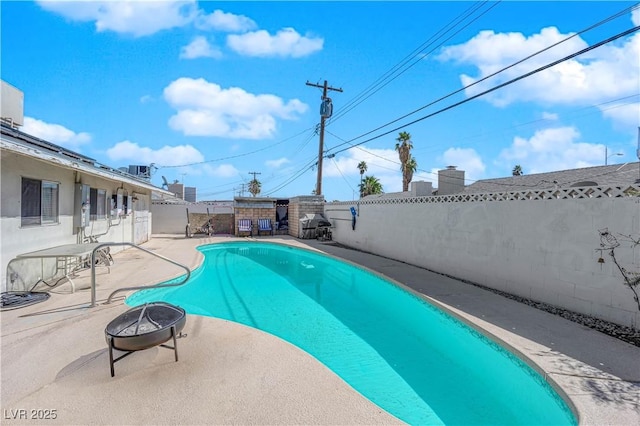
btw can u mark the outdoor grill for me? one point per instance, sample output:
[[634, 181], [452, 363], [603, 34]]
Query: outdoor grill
[[314, 226], [144, 327]]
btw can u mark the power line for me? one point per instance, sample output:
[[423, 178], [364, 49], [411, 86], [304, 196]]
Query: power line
[[389, 76], [308, 166], [618, 14], [341, 174], [499, 86], [574, 113], [230, 157]]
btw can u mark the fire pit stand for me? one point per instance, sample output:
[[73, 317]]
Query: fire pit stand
[[144, 327]]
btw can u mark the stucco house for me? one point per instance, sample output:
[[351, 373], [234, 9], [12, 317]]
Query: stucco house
[[52, 196]]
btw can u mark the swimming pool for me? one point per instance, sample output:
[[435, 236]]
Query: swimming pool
[[404, 354]]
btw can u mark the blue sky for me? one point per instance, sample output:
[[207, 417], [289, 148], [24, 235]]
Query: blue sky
[[209, 92]]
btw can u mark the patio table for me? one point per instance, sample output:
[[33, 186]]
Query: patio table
[[69, 258]]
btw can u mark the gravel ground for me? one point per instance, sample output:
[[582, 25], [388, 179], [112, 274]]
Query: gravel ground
[[627, 334]]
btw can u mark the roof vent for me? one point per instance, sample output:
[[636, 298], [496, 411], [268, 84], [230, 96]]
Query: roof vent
[[451, 167], [585, 183]]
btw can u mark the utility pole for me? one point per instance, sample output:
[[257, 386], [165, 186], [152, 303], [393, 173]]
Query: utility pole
[[254, 174], [325, 112]]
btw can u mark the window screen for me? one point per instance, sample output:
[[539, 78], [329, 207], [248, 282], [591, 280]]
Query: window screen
[[98, 200], [101, 211], [31, 200], [49, 202], [39, 202]]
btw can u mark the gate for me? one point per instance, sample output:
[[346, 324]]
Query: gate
[[140, 219]]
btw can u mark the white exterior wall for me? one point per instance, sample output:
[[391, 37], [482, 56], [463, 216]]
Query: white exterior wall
[[16, 239], [542, 249]]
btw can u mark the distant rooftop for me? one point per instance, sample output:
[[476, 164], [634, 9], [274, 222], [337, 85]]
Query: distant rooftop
[[611, 175]]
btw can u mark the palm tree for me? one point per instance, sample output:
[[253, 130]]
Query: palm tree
[[404, 146], [362, 166], [517, 170], [370, 186], [255, 187], [409, 170]]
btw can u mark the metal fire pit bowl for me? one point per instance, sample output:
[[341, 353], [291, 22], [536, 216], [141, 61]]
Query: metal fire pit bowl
[[144, 327]]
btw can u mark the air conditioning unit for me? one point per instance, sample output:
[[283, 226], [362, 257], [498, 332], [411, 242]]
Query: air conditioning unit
[[140, 171]]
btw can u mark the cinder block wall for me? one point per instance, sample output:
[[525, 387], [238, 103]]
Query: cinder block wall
[[254, 209], [223, 223], [294, 218]]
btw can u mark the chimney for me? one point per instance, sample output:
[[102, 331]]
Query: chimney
[[450, 181], [421, 188]]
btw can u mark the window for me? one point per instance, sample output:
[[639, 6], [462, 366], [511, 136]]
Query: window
[[120, 202], [39, 202], [98, 200]]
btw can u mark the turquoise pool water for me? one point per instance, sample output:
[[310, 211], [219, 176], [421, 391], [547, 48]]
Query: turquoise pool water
[[407, 356]]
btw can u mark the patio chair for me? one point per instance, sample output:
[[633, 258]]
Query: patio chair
[[264, 225], [244, 225]]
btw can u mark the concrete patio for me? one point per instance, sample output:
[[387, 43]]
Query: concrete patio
[[55, 362]]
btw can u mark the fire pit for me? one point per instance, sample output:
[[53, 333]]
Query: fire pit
[[144, 327]]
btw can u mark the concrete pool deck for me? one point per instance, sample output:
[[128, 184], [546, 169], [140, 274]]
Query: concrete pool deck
[[54, 358]]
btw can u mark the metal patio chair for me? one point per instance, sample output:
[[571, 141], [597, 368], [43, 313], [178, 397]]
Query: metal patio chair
[[244, 225]]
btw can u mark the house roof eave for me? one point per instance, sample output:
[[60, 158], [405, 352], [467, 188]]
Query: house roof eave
[[14, 145]]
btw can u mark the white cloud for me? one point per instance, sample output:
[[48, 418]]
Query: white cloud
[[199, 48], [287, 42], [635, 17], [206, 109], [55, 133], [624, 115], [552, 149], [466, 159], [132, 153], [222, 21], [146, 98], [138, 18], [275, 164], [549, 116], [600, 75]]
